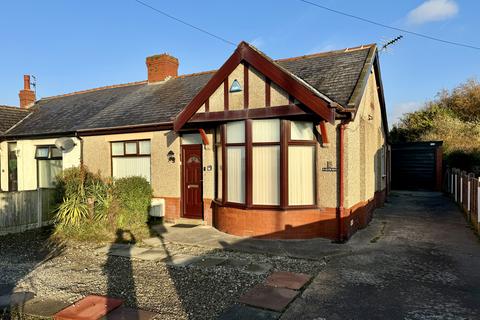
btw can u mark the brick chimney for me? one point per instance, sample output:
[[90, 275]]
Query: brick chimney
[[161, 66], [27, 96]]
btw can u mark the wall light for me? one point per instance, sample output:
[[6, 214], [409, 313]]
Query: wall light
[[171, 156]]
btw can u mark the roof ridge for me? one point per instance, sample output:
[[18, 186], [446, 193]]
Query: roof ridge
[[195, 74], [97, 89], [325, 53], [121, 85], [13, 107]]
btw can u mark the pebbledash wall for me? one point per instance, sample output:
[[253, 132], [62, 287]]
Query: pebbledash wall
[[165, 174], [27, 164]]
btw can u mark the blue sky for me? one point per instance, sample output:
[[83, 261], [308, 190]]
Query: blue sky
[[76, 45]]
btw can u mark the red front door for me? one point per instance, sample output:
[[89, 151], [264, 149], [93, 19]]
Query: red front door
[[192, 181]]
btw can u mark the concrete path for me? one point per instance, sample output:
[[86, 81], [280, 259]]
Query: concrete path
[[417, 260], [314, 249]]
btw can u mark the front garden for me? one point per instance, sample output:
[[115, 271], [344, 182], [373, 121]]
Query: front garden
[[94, 208]]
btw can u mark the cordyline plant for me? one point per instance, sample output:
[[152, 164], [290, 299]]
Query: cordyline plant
[[89, 202]]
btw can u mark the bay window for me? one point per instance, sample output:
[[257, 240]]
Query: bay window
[[266, 163], [49, 165], [131, 158]]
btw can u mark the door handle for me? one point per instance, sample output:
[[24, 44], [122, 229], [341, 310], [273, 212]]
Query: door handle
[[192, 186]]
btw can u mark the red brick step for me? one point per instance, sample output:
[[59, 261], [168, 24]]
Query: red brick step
[[89, 308]]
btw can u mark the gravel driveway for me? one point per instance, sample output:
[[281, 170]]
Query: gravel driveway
[[67, 272]]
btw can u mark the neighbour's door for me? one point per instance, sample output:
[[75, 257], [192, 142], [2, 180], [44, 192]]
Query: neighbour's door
[[192, 181]]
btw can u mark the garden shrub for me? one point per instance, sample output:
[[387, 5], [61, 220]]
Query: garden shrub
[[93, 208]]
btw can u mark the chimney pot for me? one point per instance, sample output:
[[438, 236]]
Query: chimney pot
[[161, 66], [26, 82], [27, 96]]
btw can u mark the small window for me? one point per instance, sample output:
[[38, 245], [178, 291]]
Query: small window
[[131, 147], [191, 138], [301, 130], [144, 147], [56, 153], [266, 130], [117, 149], [235, 87], [42, 153], [236, 132], [48, 152]]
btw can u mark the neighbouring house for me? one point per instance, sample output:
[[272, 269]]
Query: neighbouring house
[[9, 116], [290, 148]]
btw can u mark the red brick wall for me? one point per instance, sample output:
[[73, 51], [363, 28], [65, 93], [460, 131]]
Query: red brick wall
[[295, 224], [172, 209], [161, 66]]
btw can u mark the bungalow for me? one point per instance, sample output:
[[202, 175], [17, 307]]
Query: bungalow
[[291, 148], [9, 116]]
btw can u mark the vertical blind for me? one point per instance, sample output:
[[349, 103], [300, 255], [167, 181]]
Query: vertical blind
[[301, 175], [219, 172], [236, 174], [131, 166], [266, 175]]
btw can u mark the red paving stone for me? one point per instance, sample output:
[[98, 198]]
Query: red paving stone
[[288, 280], [89, 308], [267, 297], [129, 314]]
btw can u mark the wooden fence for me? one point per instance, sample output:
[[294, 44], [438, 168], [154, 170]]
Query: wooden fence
[[464, 188], [23, 210]]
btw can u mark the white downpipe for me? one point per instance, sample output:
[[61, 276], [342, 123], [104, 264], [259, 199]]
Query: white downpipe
[[461, 189]]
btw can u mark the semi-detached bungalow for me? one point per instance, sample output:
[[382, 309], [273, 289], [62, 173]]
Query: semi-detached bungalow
[[291, 148]]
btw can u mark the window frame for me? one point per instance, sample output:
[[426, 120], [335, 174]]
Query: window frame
[[125, 155], [50, 153], [284, 143], [136, 155], [49, 157]]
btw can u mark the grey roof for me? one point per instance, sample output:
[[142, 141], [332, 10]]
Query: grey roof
[[334, 74], [9, 116]]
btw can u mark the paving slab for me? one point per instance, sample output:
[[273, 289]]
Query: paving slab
[[267, 297], [130, 252], [153, 242], [208, 262], [15, 299], [44, 308], [181, 260], [290, 280], [89, 308], [152, 255], [258, 268], [235, 263], [240, 312], [123, 313], [113, 246]]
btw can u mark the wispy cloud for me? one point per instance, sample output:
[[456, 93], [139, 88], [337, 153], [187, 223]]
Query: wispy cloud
[[398, 110], [432, 10]]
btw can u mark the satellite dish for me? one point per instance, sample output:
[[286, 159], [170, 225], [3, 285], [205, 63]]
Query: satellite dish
[[65, 144]]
